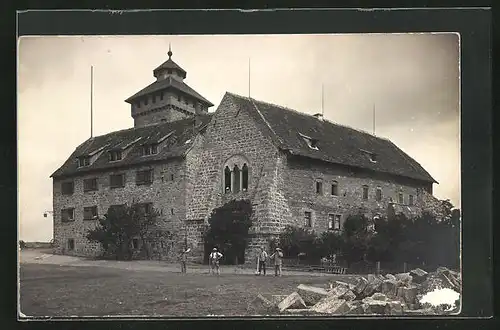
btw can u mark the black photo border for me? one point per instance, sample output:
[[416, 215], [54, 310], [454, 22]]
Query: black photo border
[[474, 27]]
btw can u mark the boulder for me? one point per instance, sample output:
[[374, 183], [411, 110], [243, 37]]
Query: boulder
[[374, 306], [374, 285], [418, 275], [360, 285], [311, 294], [436, 281], [391, 277], [394, 308], [331, 305], [410, 294], [338, 291], [293, 301], [276, 299], [389, 287], [265, 301], [355, 308], [379, 296], [404, 278], [348, 296]]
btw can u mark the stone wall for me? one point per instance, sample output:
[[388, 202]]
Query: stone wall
[[231, 135], [167, 196], [302, 174]]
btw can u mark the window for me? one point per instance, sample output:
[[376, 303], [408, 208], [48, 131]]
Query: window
[[150, 149], [319, 187], [83, 161], [146, 101], [138, 104], [334, 221], [335, 189], [144, 177], [135, 243], [154, 98], [71, 244], [115, 155], [172, 211], [365, 192], [373, 158], [379, 194], [401, 198], [169, 71], [179, 98], [117, 180], [90, 184], [67, 188], [311, 142], [236, 184], [410, 200], [161, 95], [68, 215], [171, 177], [308, 219], [90, 213], [244, 179], [227, 180], [117, 208]]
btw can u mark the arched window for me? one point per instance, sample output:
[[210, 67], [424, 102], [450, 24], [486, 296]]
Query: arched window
[[244, 178], [237, 181], [227, 180]]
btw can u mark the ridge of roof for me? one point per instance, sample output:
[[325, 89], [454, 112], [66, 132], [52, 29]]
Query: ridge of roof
[[308, 115]]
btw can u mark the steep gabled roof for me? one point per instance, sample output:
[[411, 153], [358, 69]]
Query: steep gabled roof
[[335, 143], [169, 83], [175, 145]]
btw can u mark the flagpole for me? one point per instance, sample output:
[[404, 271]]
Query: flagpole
[[91, 99], [322, 101], [249, 77], [373, 119]]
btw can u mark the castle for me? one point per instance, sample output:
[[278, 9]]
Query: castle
[[295, 168]]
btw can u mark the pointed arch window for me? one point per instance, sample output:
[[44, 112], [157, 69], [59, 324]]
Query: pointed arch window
[[227, 180], [244, 179], [237, 180]]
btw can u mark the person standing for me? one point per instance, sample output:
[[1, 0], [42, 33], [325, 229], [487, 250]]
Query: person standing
[[214, 260], [277, 256], [184, 261], [262, 261]]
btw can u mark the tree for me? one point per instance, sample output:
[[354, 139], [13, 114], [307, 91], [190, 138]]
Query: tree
[[295, 240], [120, 225], [228, 229], [330, 243], [356, 238]]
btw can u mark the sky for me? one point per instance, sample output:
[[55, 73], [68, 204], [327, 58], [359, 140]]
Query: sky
[[412, 81]]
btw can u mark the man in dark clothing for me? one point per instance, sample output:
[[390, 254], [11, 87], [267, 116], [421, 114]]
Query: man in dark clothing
[[262, 261]]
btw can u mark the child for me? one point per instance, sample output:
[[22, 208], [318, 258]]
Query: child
[[214, 259], [277, 256]]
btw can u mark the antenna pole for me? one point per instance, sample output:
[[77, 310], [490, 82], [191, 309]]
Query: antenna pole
[[373, 119], [322, 100], [91, 99], [249, 77]]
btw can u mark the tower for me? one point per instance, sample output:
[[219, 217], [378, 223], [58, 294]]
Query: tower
[[167, 99]]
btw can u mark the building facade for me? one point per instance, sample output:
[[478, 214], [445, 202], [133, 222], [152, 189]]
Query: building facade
[[295, 168]]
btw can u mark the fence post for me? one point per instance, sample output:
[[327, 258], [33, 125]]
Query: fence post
[[404, 267], [378, 267]]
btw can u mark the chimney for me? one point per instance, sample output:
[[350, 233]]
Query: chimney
[[319, 116]]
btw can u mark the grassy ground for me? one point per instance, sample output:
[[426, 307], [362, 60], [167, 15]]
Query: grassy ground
[[53, 290]]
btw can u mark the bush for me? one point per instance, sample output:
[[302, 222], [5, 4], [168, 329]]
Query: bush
[[295, 240], [228, 230]]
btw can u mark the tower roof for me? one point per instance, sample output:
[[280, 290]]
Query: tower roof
[[170, 64]]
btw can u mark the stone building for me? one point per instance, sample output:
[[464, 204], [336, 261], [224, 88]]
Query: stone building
[[295, 168]]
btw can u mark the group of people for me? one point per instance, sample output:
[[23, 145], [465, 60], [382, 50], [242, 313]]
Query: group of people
[[277, 257], [262, 258]]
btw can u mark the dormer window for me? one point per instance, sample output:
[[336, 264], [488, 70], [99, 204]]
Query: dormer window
[[115, 155], [83, 161], [373, 158], [149, 149], [311, 142], [169, 71]]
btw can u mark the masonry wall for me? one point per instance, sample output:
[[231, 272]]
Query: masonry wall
[[231, 137], [166, 195], [302, 174]]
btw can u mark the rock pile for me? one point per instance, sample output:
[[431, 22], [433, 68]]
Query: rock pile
[[376, 295]]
